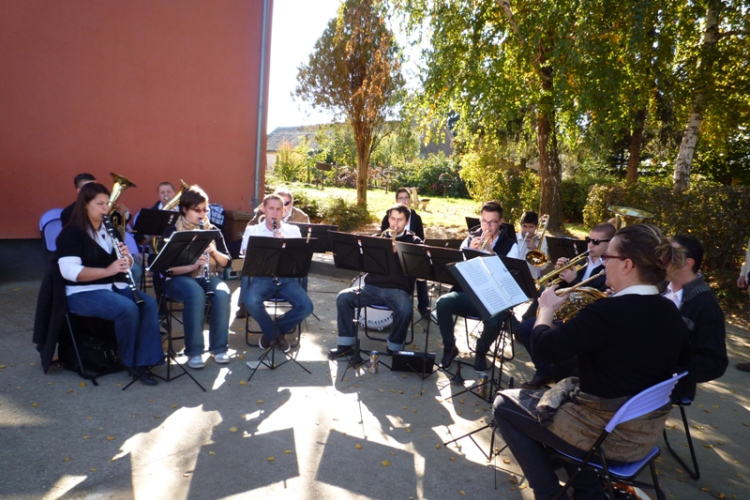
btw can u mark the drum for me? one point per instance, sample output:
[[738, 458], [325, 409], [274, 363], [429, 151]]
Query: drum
[[377, 319]]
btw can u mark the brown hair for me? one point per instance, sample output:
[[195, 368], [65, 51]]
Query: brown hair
[[606, 228], [192, 197], [403, 190], [492, 206], [80, 216], [400, 208], [650, 251], [273, 196]]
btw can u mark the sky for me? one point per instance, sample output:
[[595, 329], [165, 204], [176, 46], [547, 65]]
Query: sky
[[297, 25]]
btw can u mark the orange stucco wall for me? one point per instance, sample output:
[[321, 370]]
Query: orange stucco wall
[[152, 89]]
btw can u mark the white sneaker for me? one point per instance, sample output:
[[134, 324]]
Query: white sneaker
[[222, 358], [196, 362], [263, 343]]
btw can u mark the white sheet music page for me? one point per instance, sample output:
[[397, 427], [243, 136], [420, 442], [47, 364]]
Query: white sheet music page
[[492, 283]]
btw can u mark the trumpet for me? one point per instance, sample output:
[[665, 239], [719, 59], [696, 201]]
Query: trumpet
[[484, 238], [555, 274], [116, 243], [206, 268], [393, 235], [536, 257]]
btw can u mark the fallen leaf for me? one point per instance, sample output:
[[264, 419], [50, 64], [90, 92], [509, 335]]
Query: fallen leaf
[[385, 463], [461, 492], [86, 436], [34, 404], [110, 438], [93, 469], [81, 384], [173, 406], [453, 459], [506, 461], [287, 452], [358, 446], [212, 453], [243, 382], [408, 430], [271, 459], [233, 429], [66, 459], [260, 401], [437, 446]]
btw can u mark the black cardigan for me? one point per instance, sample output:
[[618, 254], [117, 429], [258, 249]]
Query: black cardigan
[[75, 242], [624, 344]]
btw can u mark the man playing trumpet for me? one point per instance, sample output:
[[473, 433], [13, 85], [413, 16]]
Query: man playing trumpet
[[493, 238], [395, 292]]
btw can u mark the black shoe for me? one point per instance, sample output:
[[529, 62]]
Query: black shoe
[[745, 367], [448, 356], [241, 312], [537, 382], [147, 379], [480, 361], [424, 313], [341, 350]]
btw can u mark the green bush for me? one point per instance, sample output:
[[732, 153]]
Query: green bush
[[575, 192], [347, 216], [717, 215], [308, 205], [425, 174]]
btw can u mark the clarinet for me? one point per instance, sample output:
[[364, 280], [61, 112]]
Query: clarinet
[[116, 243], [206, 275]]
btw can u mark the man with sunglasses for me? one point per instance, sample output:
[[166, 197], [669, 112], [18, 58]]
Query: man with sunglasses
[[291, 213], [597, 242]]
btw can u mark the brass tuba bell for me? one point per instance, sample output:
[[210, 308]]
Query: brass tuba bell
[[627, 216], [118, 219]]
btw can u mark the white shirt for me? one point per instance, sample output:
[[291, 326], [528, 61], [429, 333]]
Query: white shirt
[[675, 297], [590, 266], [288, 230], [638, 290], [71, 266]]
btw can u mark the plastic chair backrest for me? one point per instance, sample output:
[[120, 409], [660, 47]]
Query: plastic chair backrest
[[644, 402], [49, 215], [50, 231], [131, 244]]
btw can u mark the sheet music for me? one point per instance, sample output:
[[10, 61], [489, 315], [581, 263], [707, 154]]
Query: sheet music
[[492, 283]]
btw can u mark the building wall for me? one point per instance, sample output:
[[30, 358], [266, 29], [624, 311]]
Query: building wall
[[151, 89]]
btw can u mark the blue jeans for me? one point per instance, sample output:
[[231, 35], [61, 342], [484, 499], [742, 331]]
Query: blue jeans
[[289, 289], [527, 440], [459, 303], [245, 284], [190, 292], [136, 327], [397, 300]]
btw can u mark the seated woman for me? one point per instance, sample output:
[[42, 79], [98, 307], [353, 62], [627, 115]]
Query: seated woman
[[625, 344], [187, 284], [95, 286]]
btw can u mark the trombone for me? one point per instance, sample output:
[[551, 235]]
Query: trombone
[[553, 277]]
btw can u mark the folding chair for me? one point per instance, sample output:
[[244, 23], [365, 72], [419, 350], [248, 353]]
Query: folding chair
[[642, 403], [695, 473]]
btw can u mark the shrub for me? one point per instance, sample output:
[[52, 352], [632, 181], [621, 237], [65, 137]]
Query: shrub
[[347, 216], [575, 192], [425, 174], [717, 215], [308, 205]]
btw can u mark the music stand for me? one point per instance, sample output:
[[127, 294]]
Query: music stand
[[319, 231], [564, 247], [183, 248], [444, 243], [277, 258], [153, 222], [364, 254], [428, 263], [472, 222]]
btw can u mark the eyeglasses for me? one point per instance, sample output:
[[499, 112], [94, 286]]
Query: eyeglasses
[[606, 257], [596, 242], [200, 210], [402, 198], [287, 203], [490, 222]]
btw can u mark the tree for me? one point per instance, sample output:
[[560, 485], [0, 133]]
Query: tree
[[355, 70]]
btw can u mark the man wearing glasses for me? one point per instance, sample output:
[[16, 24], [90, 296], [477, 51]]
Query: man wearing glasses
[[414, 224], [493, 238], [291, 213], [598, 243]]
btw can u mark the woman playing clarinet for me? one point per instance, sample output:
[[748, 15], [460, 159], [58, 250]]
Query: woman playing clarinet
[[193, 284], [95, 267]]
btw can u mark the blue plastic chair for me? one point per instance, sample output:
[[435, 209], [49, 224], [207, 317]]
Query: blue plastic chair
[[50, 225], [642, 403]]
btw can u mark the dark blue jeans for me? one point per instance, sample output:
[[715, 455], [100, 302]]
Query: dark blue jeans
[[527, 440], [289, 289], [397, 300], [191, 292], [136, 327], [459, 303]]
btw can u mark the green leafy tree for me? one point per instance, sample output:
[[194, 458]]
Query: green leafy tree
[[355, 71]]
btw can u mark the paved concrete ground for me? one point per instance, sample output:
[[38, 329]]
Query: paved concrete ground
[[287, 434]]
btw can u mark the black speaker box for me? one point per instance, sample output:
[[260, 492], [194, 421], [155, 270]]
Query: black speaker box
[[417, 362]]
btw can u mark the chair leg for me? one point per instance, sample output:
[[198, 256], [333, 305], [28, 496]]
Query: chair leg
[[695, 471], [655, 478], [81, 369]]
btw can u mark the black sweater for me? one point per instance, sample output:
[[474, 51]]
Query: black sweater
[[398, 280], [75, 242], [624, 344]]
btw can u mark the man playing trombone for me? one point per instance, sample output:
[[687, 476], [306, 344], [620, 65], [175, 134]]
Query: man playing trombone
[[492, 237]]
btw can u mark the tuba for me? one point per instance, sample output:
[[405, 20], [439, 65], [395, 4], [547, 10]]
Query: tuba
[[627, 216], [119, 220], [536, 257], [169, 205]]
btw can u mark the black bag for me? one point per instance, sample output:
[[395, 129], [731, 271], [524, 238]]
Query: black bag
[[97, 346]]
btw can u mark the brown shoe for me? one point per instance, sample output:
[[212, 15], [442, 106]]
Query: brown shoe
[[241, 312], [282, 343], [745, 367]]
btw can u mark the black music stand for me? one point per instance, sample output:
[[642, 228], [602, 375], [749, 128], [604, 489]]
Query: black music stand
[[564, 247], [277, 258], [428, 263], [444, 243], [153, 222], [364, 254], [319, 231], [183, 248]]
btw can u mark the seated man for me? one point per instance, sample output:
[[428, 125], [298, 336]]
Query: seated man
[[392, 291], [598, 243], [415, 226], [258, 290], [702, 314], [291, 214], [491, 236], [527, 240], [79, 181], [166, 192]]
